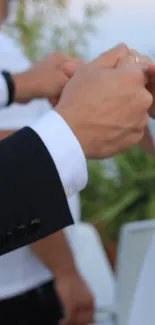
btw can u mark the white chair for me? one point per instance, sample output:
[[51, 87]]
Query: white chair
[[142, 309], [93, 263], [135, 241]]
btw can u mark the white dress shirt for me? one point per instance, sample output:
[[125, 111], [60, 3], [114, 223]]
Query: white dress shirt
[[21, 270], [51, 127], [143, 308]]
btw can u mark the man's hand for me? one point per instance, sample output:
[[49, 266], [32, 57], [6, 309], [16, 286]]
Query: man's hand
[[46, 79], [106, 107], [76, 299]]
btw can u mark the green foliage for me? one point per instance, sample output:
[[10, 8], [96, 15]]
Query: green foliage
[[127, 195], [45, 26], [92, 197]]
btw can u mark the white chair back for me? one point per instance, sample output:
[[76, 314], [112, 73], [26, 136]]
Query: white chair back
[[135, 241], [93, 263]]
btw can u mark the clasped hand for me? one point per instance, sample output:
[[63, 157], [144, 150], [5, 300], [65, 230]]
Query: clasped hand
[[105, 102]]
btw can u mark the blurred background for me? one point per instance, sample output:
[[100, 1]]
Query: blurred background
[[121, 189]]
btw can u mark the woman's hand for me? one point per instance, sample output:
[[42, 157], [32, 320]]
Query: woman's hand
[[135, 57], [46, 79]]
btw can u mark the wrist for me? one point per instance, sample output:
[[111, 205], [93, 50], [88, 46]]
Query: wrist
[[25, 87], [78, 130], [66, 271]]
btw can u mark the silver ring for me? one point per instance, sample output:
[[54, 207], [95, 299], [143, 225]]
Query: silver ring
[[136, 59]]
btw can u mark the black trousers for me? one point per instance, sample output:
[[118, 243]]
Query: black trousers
[[37, 307]]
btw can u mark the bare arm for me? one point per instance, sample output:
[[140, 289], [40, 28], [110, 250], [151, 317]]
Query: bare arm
[[72, 290], [55, 252]]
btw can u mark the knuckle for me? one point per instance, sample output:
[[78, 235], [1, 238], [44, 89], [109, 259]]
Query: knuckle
[[122, 51], [147, 99], [125, 49]]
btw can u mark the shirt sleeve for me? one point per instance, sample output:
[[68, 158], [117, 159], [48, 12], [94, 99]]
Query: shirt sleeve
[[3, 92], [62, 145], [65, 150]]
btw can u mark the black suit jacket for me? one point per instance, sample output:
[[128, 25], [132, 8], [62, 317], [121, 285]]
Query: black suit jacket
[[33, 204]]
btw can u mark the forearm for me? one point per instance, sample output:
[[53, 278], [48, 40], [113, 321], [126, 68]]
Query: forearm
[[25, 87], [55, 252]]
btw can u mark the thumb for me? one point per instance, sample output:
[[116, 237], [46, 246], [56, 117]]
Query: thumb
[[70, 67], [110, 58]]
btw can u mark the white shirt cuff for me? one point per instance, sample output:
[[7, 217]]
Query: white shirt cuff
[[65, 150], [3, 92]]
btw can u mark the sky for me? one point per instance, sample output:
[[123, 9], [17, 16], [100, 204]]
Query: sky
[[129, 21]]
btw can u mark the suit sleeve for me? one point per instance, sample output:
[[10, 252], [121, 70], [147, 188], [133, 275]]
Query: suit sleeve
[[33, 203]]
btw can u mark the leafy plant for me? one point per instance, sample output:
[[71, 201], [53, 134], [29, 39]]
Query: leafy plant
[[127, 195], [47, 25]]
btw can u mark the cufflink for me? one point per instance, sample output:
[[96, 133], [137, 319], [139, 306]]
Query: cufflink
[[33, 226]]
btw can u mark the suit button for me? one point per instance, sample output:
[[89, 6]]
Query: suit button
[[34, 226], [20, 231]]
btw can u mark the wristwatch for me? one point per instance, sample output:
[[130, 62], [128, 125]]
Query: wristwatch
[[7, 89]]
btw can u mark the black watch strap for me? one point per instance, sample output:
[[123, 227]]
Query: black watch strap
[[11, 87]]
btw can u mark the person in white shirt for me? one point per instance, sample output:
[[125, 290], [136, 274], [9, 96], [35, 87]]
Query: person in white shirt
[[26, 274], [91, 87]]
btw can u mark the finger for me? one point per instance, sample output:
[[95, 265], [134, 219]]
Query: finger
[[72, 66], [134, 57], [143, 73], [138, 72], [126, 59], [142, 59], [151, 76], [151, 70], [110, 58], [54, 100]]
